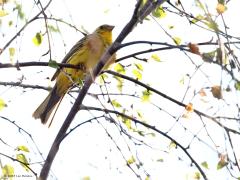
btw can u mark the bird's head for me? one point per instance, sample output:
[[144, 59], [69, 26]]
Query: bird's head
[[105, 31]]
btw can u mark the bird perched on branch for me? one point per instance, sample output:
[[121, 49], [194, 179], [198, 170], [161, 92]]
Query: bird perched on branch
[[86, 53]]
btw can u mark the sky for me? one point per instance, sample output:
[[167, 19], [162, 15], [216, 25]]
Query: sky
[[88, 151]]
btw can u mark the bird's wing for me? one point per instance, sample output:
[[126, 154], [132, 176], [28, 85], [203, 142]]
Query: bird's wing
[[74, 49]]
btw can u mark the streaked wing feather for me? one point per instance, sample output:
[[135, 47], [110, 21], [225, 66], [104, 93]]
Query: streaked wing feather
[[74, 49]]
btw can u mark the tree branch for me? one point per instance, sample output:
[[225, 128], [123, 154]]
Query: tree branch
[[136, 17]]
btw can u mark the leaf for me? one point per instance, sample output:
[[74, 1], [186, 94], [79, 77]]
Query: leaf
[[53, 64], [199, 17], [11, 51], [86, 178], [221, 8], [2, 104], [147, 177], [119, 68], [146, 95], [102, 78], [221, 164], [22, 158], [177, 40], [217, 92], [119, 83], [197, 176], [159, 12], [237, 86], [137, 74], [202, 93], [116, 104], [172, 145], [37, 39], [200, 5], [19, 10], [3, 13], [22, 148], [156, 57], [53, 28], [139, 66], [212, 25], [131, 160], [8, 172], [209, 56], [189, 107], [205, 164], [194, 48]]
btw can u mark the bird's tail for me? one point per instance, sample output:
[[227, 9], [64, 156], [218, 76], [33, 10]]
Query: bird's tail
[[48, 105]]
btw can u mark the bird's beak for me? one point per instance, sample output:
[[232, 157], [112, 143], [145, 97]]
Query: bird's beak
[[110, 28]]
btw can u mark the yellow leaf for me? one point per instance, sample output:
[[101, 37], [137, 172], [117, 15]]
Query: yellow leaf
[[119, 68], [22, 158], [3, 13], [22, 148], [2, 104], [146, 95], [156, 57], [86, 178], [217, 92], [137, 74], [11, 51], [131, 160], [116, 104], [221, 8], [8, 172], [172, 145], [177, 40], [159, 12], [37, 39]]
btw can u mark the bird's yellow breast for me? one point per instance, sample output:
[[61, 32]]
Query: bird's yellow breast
[[88, 56]]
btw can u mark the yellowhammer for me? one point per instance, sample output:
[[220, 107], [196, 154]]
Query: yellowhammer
[[86, 53]]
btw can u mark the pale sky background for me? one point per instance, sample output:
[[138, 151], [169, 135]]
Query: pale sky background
[[83, 153]]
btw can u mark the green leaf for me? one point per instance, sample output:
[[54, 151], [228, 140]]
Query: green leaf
[[37, 39], [19, 10], [159, 12], [2, 104], [137, 74], [146, 95], [53, 28], [197, 175], [205, 164], [199, 17], [209, 56], [177, 40], [22, 148], [8, 172], [116, 104], [53, 64], [119, 68], [212, 25], [156, 57], [221, 164], [237, 86], [22, 158]]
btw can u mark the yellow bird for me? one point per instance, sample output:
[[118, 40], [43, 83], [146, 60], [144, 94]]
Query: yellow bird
[[87, 53]]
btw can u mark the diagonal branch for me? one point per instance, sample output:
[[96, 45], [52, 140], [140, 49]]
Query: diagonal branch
[[137, 16]]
